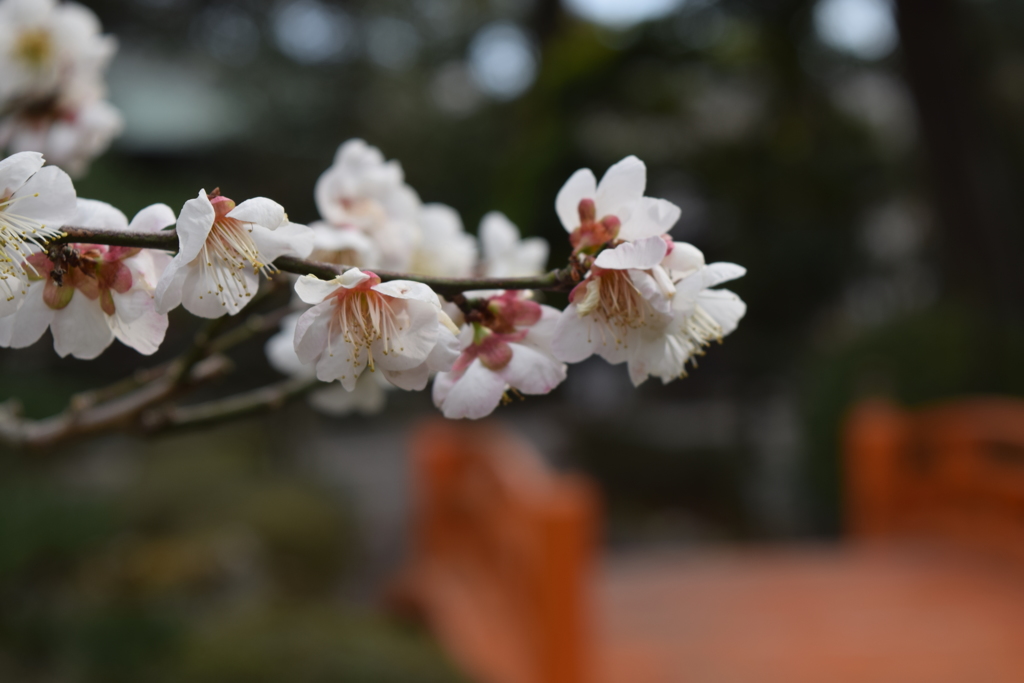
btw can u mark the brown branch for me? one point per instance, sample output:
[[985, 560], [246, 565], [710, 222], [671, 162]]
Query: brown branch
[[119, 413], [556, 280], [211, 412]]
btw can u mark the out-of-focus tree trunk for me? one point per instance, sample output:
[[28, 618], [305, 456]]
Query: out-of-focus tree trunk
[[970, 181]]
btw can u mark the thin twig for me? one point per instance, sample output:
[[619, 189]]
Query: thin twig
[[211, 412], [119, 413], [555, 280]]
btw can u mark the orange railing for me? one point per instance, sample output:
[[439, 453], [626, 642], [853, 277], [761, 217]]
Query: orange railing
[[502, 557], [954, 470]]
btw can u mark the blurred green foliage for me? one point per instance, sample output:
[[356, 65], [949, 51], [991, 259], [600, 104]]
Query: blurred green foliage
[[204, 562]]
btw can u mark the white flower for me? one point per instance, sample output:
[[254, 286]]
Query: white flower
[[505, 254], [358, 322], [506, 347], [625, 294], [92, 294], [700, 315], [70, 136], [343, 246], [35, 202], [49, 50], [223, 249], [648, 303], [363, 194], [368, 397], [594, 214], [445, 248]]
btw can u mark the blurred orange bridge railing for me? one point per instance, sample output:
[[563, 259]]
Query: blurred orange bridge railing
[[506, 569]]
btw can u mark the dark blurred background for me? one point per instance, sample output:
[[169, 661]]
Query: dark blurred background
[[862, 159]]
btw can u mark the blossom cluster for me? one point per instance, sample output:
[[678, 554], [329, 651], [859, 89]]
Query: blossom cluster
[[53, 58], [638, 296]]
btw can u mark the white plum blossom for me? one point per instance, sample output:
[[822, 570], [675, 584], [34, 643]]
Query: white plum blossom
[[505, 254], [506, 347], [223, 249], [90, 294], [445, 248], [52, 57], [358, 322], [370, 215], [69, 134], [35, 202], [368, 397], [643, 303], [615, 209], [699, 315], [49, 50]]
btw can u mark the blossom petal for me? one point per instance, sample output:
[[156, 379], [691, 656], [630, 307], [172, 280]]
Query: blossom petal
[[413, 341], [717, 273], [169, 287], [290, 239], [407, 289], [474, 395], [414, 379], [445, 352], [497, 234], [194, 224], [48, 197], [313, 290], [572, 341], [16, 169], [724, 306], [581, 185], [259, 211], [280, 350], [90, 213], [201, 293], [310, 337], [648, 217], [153, 218], [531, 371], [28, 324], [14, 288], [623, 183], [642, 254], [344, 362], [81, 329], [136, 323], [683, 259]]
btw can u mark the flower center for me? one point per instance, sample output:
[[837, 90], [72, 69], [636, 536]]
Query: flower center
[[613, 296], [362, 317], [228, 250], [34, 47], [364, 212], [19, 237]]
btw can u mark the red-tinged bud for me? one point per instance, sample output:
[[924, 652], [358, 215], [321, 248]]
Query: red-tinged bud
[[372, 281], [221, 205], [514, 311], [668, 241], [588, 211], [611, 225]]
